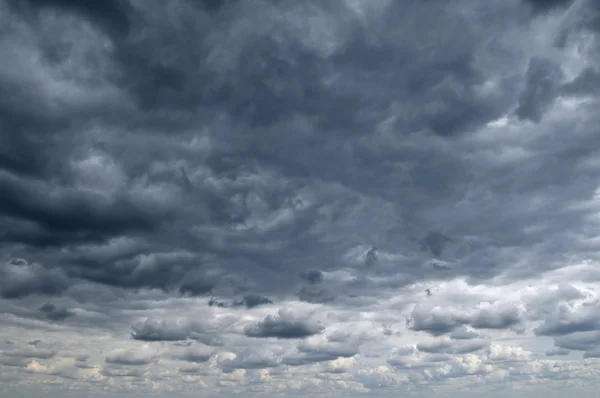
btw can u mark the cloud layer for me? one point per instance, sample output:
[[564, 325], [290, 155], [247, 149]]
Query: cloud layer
[[299, 197]]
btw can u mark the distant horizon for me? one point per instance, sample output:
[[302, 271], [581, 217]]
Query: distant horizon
[[324, 198]]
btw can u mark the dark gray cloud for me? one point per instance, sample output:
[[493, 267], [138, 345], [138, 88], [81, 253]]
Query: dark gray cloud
[[579, 341], [542, 81], [54, 313], [111, 15], [284, 325], [248, 301], [435, 243], [20, 356], [497, 317], [316, 294], [195, 353], [30, 352], [439, 321], [312, 277], [548, 5], [18, 278], [305, 154], [566, 320], [253, 300], [175, 330], [329, 350], [256, 162], [586, 83], [77, 214], [573, 327]]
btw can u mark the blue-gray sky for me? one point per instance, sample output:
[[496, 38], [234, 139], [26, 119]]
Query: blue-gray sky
[[336, 198]]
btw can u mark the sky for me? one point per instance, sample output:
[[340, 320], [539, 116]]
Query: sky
[[277, 198]]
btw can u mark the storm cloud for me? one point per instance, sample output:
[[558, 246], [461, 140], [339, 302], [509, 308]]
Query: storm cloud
[[299, 197]]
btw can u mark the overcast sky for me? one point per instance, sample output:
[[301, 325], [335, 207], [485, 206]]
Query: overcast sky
[[297, 198]]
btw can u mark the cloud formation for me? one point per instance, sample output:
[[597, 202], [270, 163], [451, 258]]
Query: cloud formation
[[284, 325], [299, 197]]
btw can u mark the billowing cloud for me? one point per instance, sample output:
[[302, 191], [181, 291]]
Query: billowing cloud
[[284, 325], [299, 198], [195, 353], [18, 278], [129, 357], [174, 330], [439, 320]]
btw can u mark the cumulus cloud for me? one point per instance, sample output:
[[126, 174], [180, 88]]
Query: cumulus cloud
[[464, 333], [567, 319], [134, 357], [333, 347], [501, 352], [153, 329], [284, 325], [439, 320], [195, 353]]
